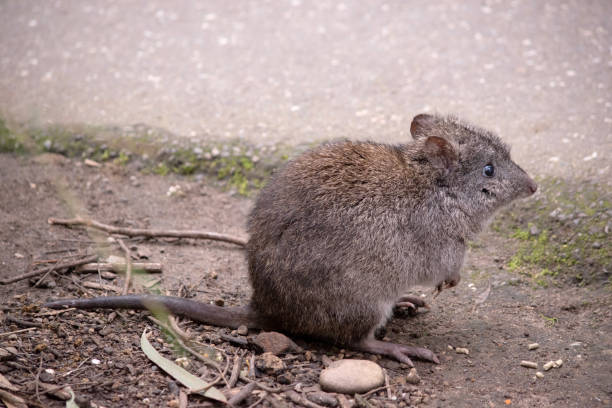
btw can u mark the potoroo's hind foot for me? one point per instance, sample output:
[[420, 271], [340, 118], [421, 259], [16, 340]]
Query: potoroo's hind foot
[[397, 351]]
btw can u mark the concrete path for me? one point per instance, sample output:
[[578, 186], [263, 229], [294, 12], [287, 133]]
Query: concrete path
[[539, 72]]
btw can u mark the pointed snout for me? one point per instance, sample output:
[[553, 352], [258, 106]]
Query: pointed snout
[[532, 187]]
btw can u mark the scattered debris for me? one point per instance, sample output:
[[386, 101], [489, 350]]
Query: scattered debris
[[529, 364], [270, 364], [462, 350], [553, 364], [323, 398], [533, 346], [539, 374], [413, 377]]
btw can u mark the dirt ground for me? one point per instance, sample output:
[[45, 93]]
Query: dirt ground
[[98, 353]]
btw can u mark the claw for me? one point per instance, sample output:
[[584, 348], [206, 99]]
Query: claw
[[398, 351]]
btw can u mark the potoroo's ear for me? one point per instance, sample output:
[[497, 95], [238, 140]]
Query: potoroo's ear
[[421, 125], [441, 154]]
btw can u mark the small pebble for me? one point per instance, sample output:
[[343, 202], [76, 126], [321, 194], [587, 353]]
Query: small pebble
[[270, 364], [529, 364], [242, 330], [275, 343], [549, 365], [462, 350], [413, 377], [539, 374], [533, 346]]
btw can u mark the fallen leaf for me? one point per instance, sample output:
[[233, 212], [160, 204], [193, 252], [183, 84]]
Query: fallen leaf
[[70, 403], [178, 373]]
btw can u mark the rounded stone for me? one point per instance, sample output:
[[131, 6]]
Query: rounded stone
[[351, 376]]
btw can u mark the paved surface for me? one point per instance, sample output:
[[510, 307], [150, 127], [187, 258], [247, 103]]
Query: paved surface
[[540, 72]]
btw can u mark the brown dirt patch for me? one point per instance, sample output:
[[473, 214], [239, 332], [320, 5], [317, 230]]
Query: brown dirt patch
[[569, 323]]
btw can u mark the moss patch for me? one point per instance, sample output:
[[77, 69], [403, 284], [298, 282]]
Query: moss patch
[[563, 234], [234, 164]]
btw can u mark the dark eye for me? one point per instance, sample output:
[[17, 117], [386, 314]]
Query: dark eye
[[488, 170]]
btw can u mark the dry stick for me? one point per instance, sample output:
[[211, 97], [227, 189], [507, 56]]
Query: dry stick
[[135, 232], [235, 371], [70, 264], [152, 267], [96, 285], [56, 312], [298, 399], [242, 394], [17, 331], [261, 386], [256, 403], [367, 394], [12, 399], [177, 329], [24, 323], [128, 269], [215, 381], [388, 386]]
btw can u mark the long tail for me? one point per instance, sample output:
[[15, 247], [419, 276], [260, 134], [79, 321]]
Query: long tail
[[231, 317]]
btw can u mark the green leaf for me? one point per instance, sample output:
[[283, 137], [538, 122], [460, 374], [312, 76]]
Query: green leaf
[[179, 373]]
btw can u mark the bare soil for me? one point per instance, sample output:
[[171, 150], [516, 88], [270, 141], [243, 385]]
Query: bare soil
[[569, 322]]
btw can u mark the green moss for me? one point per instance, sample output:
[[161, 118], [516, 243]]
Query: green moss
[[9, 141], [550, 321], [161, 169], [560, 235], [123, 159]]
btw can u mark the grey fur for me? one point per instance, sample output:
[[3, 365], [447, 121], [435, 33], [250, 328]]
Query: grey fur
[[341, 232]]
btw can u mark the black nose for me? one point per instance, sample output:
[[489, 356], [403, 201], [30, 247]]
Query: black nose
[[532, 186]]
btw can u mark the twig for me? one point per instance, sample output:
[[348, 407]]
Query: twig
[[96, 285], [128, 269], [134, 232], [261, 386], [37, 379], [235, 371], [151, 267], [251, 366], [55, 267], [180, 342], [215, 381], [176, 328], [12, 399], [256, 403], [239, 341], [23, 322], [375, 390], [242, 394], [17, 331], [298, 399], [56, 312], [388, 386]]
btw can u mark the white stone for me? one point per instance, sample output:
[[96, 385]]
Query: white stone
[[351, 376]]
